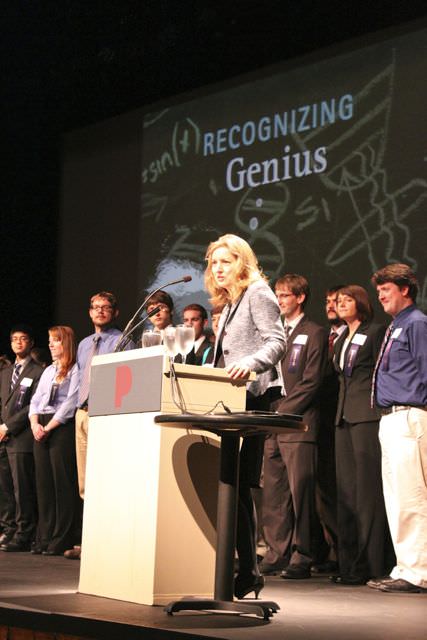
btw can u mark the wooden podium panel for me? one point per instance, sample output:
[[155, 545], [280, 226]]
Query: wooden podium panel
[[150, 496]]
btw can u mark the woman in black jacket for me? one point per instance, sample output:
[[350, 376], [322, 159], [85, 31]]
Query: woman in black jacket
[[362, 525]]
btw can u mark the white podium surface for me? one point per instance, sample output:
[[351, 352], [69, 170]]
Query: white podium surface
[[150, 496]]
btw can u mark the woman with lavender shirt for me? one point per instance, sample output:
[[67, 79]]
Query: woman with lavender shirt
[[51, 414]]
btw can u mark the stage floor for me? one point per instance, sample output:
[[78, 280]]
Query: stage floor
[[39, 593]]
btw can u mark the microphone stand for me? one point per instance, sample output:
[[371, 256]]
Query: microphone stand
[[126, 336], [129, 327]]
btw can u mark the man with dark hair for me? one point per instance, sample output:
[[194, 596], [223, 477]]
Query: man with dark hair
[[400, 391], [195, 315], [326, 499], [103, 311], [17, 482], [163, 318], [289, 516]]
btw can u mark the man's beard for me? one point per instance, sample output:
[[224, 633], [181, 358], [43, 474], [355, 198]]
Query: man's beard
[[335, 322]]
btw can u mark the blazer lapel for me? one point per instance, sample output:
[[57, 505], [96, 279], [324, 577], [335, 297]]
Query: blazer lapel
[[22, 375]]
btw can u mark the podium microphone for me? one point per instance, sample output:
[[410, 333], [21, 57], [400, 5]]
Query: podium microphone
[[129, 327]]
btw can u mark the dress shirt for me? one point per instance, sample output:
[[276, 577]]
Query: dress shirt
[[23, 363], [198, 342], [292, 323], [109, 339], [402, 377], [64, 404]]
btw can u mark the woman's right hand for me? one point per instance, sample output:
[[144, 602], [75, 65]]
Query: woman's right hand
[[38, 432]]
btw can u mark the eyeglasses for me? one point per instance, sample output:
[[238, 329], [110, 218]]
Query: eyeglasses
[[102, 307], [281, 295], [20, 339]]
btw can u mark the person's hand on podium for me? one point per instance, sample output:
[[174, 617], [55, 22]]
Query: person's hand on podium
[[237, 371]]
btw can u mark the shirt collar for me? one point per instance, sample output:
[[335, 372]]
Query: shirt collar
[[293, 323], [23, 363], [406, 311], [338, 329], [198, 342], [105, 333]]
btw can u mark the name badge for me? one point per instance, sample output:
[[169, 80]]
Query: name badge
[[350, 358], [396, 333], [26, 382], [359, 338], [300, 339], [294, 358]]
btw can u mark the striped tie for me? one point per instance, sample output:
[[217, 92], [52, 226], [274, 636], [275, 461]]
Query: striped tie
[[15, 375], [383, 354]]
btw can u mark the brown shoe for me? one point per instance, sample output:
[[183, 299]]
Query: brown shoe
[[74, 553], [402, 586]]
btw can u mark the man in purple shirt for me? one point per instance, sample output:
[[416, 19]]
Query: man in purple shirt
[[103, 311], [400, 390]]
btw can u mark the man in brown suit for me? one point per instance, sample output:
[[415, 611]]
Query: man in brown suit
[[289, 516]]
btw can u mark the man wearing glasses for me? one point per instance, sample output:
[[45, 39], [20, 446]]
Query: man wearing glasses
[[17, 483], [103, 311]]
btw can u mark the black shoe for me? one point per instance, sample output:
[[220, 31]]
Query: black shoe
[[296, 572], [271, 568], [330, 566], [6, 537], [53, 552], [36, 550], [376, 583], [348, 580], [244, 584], [16, 545], [401, 586]]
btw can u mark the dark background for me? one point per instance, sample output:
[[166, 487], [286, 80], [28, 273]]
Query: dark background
[[68, 65]]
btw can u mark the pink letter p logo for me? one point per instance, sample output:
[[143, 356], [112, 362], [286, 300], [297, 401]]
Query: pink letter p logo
[[123, 384]]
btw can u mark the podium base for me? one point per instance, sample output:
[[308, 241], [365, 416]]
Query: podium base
[[260, 608]]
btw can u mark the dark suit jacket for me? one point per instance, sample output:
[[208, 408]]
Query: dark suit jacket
[[20, 437], [197, 357], [303, 381], [354, 399]]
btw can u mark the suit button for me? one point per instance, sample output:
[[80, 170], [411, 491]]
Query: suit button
[[226, 352]]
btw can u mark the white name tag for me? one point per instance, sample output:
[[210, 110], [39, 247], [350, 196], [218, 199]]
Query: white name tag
[[359, 338], [396, 333], [300, 339], [26, 382]]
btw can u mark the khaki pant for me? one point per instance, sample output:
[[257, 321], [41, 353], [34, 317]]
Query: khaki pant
[[403, 437], [82, 424]]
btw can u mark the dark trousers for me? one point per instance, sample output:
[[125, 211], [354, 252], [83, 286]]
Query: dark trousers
[[249, 476], [18, 510], [57, 489], [363, 537], [289, 516], [326, 494]]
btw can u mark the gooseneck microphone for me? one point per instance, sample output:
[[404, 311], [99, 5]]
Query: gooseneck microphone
[[130, 327]]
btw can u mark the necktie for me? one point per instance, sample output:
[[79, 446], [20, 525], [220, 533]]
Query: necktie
[[288, 331], [15, 375], [85, 379], [382, 354], [331, 341]]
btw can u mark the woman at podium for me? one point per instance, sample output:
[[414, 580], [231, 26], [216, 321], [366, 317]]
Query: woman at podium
[[250, 338]]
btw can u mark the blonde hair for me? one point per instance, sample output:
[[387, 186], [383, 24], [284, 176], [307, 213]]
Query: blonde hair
[[67, 338], [246, 270]]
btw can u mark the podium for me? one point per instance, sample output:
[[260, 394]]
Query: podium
[[150, 498], [231, 427]]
